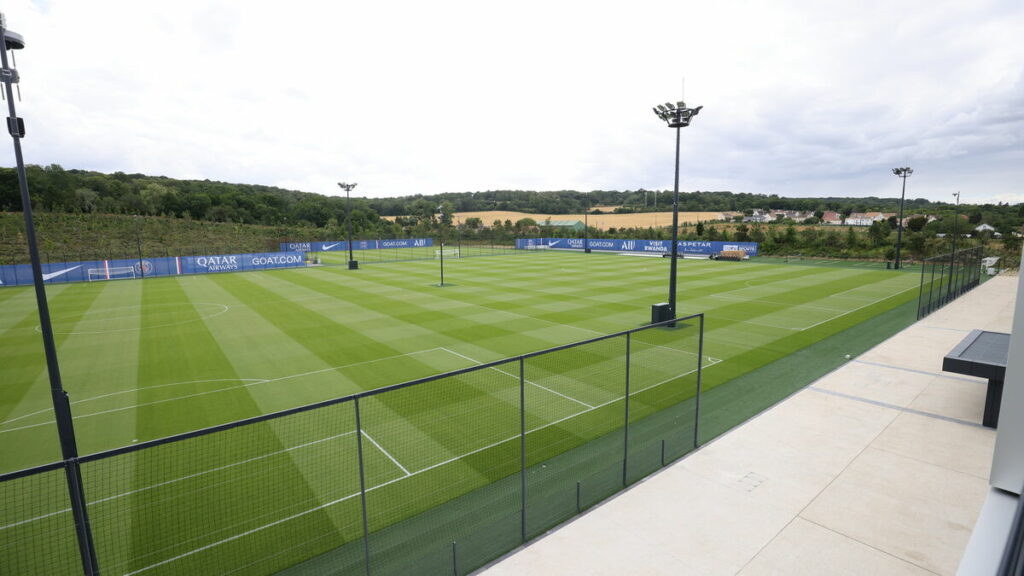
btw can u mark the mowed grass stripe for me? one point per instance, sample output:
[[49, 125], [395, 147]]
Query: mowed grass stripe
[[146, 527], [21, 348]]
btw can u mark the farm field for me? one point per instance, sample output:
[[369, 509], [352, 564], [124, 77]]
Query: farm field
[[599, 221], [142, 360]]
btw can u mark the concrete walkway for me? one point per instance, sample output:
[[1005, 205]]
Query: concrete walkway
[[880, 467]]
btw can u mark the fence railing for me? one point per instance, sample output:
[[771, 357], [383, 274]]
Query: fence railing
[[945, 278], [434, 476]]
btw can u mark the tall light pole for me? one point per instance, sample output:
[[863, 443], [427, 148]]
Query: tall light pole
[[61, 402], [352, 264], [902, 173], [440, 218], [952, 256], [677, 116], [586, 226]]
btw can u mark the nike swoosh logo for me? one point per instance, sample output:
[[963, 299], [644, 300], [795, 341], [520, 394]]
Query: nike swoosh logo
[[553, 243], [329, 246], [59, 272]]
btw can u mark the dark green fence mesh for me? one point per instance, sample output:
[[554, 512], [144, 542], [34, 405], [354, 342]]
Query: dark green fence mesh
[[945, 278], [437, 476], [37, 530]]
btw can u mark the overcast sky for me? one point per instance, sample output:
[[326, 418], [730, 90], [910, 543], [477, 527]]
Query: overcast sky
[[803, 98]]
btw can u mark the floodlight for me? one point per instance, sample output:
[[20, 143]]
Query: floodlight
[[662, 107], [13, 40], [670, 105]]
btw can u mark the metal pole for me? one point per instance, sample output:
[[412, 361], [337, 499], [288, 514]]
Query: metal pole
[[899, 223], [522, 447], [920, 293], [352, 264], [700, 364], [952, 257], [625, 439], [362, 488], [586, 226], [348, 219], [675, 237], [138, 241], [61, 403]]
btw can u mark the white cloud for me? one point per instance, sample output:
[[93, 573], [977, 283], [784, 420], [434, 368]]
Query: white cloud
[[411, 97]]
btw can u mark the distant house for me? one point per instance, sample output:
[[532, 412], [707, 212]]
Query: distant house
[[832, 218], [988, 228], [928, 218], [866, 218]]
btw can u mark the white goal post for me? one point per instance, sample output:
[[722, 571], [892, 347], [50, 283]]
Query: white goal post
[[448, 252], [111, 273], [537, 247]]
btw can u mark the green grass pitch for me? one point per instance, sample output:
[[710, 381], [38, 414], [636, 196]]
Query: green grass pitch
[[146, 359]]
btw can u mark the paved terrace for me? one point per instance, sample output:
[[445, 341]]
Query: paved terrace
[[880, 467]]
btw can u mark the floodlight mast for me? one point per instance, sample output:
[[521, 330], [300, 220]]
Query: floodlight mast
[[902, 173], [61, 403], [352, 264], [440, 219], [676, 116]]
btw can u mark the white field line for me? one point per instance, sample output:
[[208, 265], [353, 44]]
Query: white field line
[[858, 308], [392, 481], [188, 477], [251, 382], [517, 377], [386, 453], [754, 300]]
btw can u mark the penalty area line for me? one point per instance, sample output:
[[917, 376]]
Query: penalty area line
[[567, 397]]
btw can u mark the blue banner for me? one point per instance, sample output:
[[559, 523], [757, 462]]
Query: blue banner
[[21, 274], [696, 247], [342, 246]]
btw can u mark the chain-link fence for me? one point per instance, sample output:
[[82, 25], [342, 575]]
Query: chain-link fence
[[434, 476], [945, 278]]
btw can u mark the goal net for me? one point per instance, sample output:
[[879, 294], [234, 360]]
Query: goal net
[[114, 273], [447, 252]]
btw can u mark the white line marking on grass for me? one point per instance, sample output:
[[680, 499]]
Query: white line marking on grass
[[190, 476], [515, 376], [91, 398], [756, 301], [224, 309], [251, 382], [386, 453], [858, 308], [389, 482]]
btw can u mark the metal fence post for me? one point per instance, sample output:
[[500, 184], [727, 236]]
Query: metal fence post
[[625, 439], [700, 364], [920, 292], [362, 488], [522, 446]]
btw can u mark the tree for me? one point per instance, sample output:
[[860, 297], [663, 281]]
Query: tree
[[700, 229], [851, 238], [878, 233], [916, 223], [474, 223]]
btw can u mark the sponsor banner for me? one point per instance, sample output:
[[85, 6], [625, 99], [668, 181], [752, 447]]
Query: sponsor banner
[[657, 246], [21, 274], [342, 246]]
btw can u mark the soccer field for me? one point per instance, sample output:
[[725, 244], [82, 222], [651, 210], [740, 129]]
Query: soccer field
[[142, 360]]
